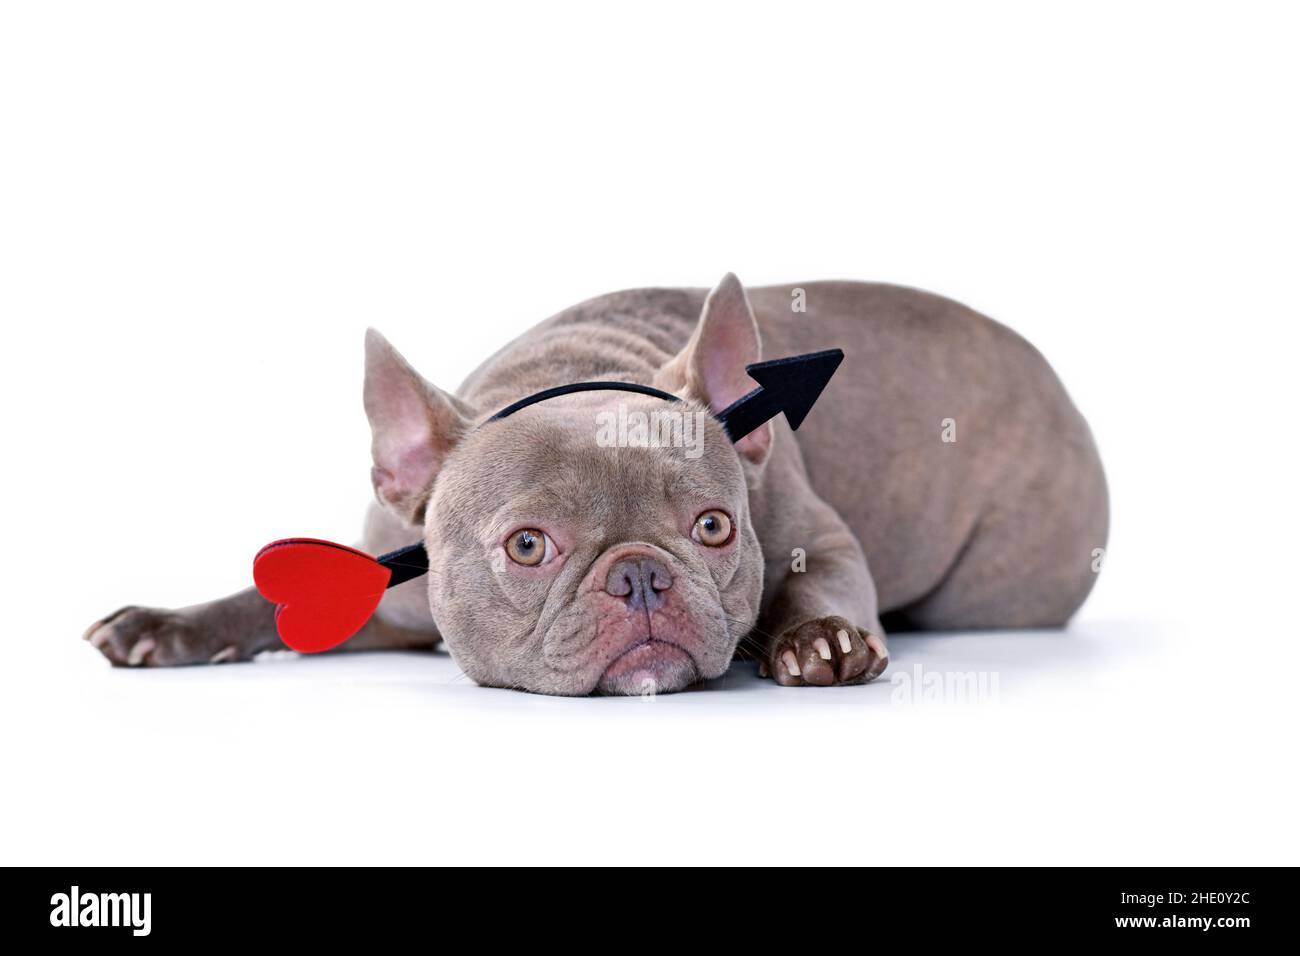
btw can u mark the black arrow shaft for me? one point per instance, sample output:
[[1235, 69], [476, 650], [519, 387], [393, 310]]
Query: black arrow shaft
[[405, 563], [748, 412]]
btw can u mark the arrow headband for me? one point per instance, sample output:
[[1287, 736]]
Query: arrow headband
[[325, 592]]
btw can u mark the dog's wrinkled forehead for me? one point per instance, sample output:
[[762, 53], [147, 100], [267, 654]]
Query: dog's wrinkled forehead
[[618, 454]]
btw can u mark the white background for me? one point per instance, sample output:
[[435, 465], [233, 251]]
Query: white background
[[202, 206]]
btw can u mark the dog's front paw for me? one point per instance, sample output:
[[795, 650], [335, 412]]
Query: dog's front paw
[[143, 636], [826, 651]]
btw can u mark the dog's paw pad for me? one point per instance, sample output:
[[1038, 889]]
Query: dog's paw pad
[[153, 637], [827, 651]]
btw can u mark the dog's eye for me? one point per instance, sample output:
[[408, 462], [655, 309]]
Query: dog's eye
[[529, 547], [712, 528]]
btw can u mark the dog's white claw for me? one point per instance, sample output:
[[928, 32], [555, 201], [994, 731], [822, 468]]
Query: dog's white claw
[[823, 648], [228, 653], [876, 644], [845, 644], [790, 663], [101, 636], [762, 669], [142, 647]]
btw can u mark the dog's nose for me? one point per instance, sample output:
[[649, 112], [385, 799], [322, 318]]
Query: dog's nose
[[639, 581]]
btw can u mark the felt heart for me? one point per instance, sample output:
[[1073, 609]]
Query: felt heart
[[324, 592]]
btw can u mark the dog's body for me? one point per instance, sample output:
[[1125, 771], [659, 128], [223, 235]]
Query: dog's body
[[944, 452]]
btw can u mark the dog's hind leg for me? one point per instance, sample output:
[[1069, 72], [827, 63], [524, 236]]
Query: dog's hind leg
[[1032, 557]]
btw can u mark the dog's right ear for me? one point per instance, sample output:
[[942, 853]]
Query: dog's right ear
[[711, 368], [414, 426]]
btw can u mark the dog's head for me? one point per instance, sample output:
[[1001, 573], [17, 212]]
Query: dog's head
[[600, 541]]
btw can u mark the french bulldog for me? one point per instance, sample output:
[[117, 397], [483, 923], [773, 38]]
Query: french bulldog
[[945, 480]]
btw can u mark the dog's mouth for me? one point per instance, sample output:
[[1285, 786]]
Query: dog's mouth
[[653, 666]]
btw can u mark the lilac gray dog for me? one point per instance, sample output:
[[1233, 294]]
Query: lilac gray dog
[[613, 542]]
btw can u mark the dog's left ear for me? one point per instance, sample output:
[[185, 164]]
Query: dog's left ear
[[711, 368]]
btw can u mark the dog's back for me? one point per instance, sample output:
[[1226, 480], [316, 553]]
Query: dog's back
[[952, 450]]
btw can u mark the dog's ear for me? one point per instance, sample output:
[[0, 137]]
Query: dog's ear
[[711, 368], [414, 426]]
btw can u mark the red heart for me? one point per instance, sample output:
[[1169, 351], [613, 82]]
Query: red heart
[[325, 592]]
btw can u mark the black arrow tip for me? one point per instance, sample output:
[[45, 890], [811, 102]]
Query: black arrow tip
[[797, 380]]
